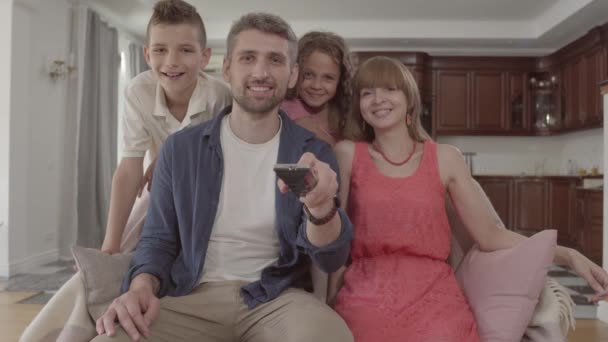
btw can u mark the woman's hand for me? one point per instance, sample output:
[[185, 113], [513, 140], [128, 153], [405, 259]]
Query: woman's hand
[[596, 276]]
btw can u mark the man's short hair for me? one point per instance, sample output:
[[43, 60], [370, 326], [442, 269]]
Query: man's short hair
[[266, 23]]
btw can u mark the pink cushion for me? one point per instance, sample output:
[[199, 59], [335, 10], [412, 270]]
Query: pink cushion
[[503, 287]]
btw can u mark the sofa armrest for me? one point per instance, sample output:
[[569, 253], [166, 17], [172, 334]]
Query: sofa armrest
[[553, 316]]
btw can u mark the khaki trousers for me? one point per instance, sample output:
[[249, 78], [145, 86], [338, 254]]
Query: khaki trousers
[[216, 312]]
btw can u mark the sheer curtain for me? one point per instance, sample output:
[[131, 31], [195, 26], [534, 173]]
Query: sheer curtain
[[97, 107], [137, 61]]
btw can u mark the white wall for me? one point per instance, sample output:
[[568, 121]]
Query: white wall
[[39, 132], [6, 9], [515, 155], [43, 137], [585, 148]]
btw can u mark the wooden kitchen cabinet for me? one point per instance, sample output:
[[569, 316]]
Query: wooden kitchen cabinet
[[569, 97], [481, 102], [574, 93], [561, 209], [596, 72], [584, 65], [589, 223], [594, 225], [453, 104], [580, 82], [529, 213], [489, 105], [529, 204], [517, 102], [498, 191], [578, 230], [581, 100]]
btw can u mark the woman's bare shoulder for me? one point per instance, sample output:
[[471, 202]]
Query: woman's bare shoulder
[[448, 153], [345, 148]]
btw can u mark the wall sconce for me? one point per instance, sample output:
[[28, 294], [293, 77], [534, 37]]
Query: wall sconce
[[60, 69]]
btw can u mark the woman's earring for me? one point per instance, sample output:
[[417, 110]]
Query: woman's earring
[[408, 120]]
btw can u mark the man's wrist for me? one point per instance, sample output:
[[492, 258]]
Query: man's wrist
[[145, 280], [323, 214]]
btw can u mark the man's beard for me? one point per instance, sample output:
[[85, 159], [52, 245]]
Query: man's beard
[[250, 105]]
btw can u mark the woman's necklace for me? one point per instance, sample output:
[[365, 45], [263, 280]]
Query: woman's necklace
[[392, 162]]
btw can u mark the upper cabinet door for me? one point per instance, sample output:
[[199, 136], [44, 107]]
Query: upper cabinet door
[[518, 97], [570, 97], [453, 101], [596, 72], [580, 82], [489, 103]]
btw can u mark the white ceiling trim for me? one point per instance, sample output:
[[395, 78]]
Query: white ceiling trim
[[555, 26], [555, 15], [218, 30]]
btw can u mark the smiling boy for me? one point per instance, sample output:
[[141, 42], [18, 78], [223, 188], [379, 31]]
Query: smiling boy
[[173, 95]]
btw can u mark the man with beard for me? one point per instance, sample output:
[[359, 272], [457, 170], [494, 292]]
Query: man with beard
[[225, 246]]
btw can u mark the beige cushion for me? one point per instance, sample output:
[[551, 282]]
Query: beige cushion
[[320, 280], [102, 275]]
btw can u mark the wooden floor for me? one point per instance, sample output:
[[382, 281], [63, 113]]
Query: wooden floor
[[15, 317]]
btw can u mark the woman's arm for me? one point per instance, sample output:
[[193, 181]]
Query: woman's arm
[[345, 152], [486, 228], [471, 204]]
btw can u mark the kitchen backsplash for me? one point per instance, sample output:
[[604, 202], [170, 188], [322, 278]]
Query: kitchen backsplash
[[533, 155]]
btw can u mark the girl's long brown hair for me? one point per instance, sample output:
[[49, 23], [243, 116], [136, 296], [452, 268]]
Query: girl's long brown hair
[[335, 47]]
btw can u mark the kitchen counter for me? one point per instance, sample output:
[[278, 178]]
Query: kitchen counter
[[597, 188]]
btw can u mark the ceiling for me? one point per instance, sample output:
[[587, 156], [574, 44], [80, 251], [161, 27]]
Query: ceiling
[[439, 27]]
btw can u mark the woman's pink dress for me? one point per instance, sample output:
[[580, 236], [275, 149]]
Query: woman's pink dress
[[399, 286]]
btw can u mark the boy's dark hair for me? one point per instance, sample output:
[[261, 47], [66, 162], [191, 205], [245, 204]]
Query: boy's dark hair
[[174, 12]]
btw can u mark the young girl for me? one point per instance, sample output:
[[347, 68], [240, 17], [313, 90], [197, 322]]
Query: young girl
[[321, 99], [394, 183]]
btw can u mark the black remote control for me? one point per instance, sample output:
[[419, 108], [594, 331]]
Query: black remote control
[[298, 178]]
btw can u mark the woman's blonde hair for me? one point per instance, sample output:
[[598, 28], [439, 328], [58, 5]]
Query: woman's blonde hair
[[384, 72], [335, 47]]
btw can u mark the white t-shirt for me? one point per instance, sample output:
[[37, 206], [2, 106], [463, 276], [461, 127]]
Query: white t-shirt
[[244, 239]]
